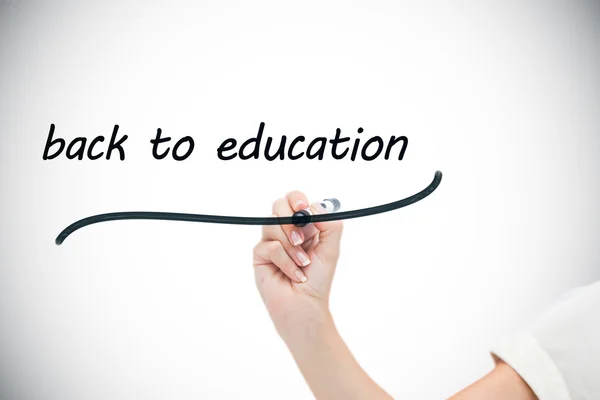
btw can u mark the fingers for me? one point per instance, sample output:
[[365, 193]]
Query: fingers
[[297, 200], [330, 232], [286, 246], [273, 252], [276, 233], [294, 201]]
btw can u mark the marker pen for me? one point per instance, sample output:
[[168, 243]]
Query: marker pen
[[303, 217]]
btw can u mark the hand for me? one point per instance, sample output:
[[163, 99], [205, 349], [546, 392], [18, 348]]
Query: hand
[[294, 266], [294, 269]]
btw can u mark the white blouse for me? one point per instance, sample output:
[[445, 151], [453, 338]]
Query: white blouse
[[559, 354]]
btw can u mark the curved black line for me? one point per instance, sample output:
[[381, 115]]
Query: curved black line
[[223, 219]]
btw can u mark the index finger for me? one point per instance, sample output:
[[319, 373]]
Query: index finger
[[293, 201], [297, 200]]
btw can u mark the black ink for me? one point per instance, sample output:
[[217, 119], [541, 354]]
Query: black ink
[[321, 152], [392, 142], [256, 142], [337, 140], [90, 149], [155, 142], [189, 150], [296, 140], [316, 149], [280, 151], [51, 142], [118, 145], [76, 148], [224, 147], [379, 148], [355, 148], [80, 151], [219, 219]]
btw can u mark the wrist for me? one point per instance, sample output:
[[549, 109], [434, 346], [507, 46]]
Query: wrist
[[312, 320]]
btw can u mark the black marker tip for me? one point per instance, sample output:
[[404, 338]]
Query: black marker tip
[[301, 218]]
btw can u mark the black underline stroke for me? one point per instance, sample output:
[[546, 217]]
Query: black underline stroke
[[224, 219]]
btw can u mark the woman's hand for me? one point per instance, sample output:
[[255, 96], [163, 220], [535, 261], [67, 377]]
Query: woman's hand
[[294, 266], [294, 269]]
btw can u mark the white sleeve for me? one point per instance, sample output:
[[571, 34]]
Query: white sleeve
[[559, 355]]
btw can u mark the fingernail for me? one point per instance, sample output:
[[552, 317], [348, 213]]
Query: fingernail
[[296, 238], [303, 258], [300, 275], [299, 205]]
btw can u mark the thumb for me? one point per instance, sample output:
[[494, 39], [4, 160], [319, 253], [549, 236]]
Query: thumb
[[330, 235]]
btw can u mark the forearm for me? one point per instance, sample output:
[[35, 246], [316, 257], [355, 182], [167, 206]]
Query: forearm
[[326, 362], [501, 383]]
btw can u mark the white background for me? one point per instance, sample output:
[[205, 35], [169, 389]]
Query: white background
[[503, 97]]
